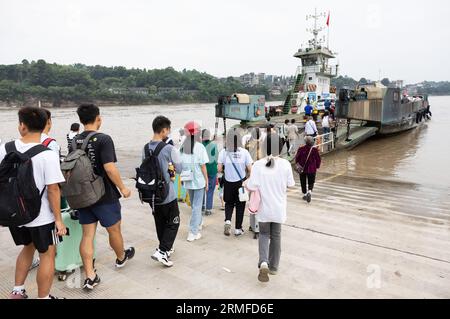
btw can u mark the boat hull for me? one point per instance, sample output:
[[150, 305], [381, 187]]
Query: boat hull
[[398, 127]]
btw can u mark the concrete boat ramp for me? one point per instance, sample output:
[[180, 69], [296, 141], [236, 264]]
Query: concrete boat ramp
[[359, 238]]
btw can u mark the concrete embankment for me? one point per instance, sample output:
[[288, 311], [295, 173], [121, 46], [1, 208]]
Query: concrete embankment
[[357, 239]]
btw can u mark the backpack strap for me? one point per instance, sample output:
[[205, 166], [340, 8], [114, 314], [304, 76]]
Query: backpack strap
[[159, 148], [83, 147], [47, 141], [35, 150], [32, 152], [10, 147], [156, 151]]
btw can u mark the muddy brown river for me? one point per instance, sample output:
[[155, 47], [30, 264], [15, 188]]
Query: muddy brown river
[[419, 156]]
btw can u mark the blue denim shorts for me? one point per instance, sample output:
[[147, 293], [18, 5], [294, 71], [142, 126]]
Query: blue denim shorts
[[107, 214]]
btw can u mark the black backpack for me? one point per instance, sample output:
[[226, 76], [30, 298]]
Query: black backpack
[[20, 199], [150, 181]]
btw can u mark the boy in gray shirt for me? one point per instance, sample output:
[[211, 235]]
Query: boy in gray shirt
[[166, 214]]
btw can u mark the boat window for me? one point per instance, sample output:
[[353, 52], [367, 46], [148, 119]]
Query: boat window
[[396, 96]]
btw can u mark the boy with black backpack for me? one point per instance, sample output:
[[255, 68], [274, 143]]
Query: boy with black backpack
[[30, 201], [154, 180]]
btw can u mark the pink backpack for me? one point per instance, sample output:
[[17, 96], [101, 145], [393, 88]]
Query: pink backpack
[[255, 202]]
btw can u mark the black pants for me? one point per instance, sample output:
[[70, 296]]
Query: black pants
[[311, 180], [231, 199], [167, 221]]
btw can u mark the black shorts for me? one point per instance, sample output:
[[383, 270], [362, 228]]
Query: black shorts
[[42, 236]]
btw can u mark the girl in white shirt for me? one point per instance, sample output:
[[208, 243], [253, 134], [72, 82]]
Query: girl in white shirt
[[272, 176]]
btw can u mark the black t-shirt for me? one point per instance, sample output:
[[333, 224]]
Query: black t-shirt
[[100, 151]]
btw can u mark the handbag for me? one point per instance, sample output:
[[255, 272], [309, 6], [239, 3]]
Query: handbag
[[187, 175], [300, 168], [255, 202], [243, 193]]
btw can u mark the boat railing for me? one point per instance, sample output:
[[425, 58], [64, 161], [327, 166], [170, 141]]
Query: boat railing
[[325, 143]]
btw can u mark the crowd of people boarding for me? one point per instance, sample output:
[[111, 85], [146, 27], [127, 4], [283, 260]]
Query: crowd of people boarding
[[250, 174]]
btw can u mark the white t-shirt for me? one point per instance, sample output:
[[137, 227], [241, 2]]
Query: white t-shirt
[[326, 121], [283, 131], [53, 145], [292, 132], [241, 160], [193, 163], [310, 128], [46, 171], [272, 184]]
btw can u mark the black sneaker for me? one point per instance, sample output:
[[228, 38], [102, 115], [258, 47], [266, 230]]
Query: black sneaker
[[305, 197], [129, 254], [90, 284], [308, 198]]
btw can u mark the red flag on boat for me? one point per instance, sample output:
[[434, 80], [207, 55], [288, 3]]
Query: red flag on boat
[[328, 20]]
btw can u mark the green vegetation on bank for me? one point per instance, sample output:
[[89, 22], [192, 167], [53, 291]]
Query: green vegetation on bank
[[80, 83], [59, 84]]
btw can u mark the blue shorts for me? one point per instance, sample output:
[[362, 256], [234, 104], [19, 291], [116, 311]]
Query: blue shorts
[[107, 214]]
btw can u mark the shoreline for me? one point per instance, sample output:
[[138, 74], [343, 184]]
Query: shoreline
[[11, 105]]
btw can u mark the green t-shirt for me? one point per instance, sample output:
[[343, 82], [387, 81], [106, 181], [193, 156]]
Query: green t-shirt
[[213, 154]]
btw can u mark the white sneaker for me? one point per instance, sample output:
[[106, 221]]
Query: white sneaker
[[192, 237], [263, 272], [238, 232], [227, 228], [36, 262], [163, 258], [171, 252]]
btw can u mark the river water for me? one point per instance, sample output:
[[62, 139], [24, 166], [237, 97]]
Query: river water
[[420, 156]]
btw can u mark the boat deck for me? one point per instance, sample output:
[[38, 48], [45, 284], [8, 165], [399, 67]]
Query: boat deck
[[359, 238]]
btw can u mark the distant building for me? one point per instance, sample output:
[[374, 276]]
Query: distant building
[[138, 90], [179, 90]]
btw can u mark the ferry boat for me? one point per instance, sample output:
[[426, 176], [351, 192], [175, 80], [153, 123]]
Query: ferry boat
[[384, 108]]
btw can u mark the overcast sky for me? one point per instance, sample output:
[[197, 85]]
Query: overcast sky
[[407, 40]]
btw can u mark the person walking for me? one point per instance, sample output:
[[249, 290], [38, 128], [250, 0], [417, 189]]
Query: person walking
[[211, 169], [74, 131], [51, 144], [271, 176], [284, 134], [236, 164], [107, 211], [42, 233], [308, 161], [326, 124], [308, 108], [310, 127], [165, 213], [292, 136], [194, 176]]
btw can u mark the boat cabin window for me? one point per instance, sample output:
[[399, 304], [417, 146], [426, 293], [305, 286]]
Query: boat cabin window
[[396, 96]]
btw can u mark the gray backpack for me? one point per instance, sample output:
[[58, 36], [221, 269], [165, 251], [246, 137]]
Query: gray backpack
[[82, 188]]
